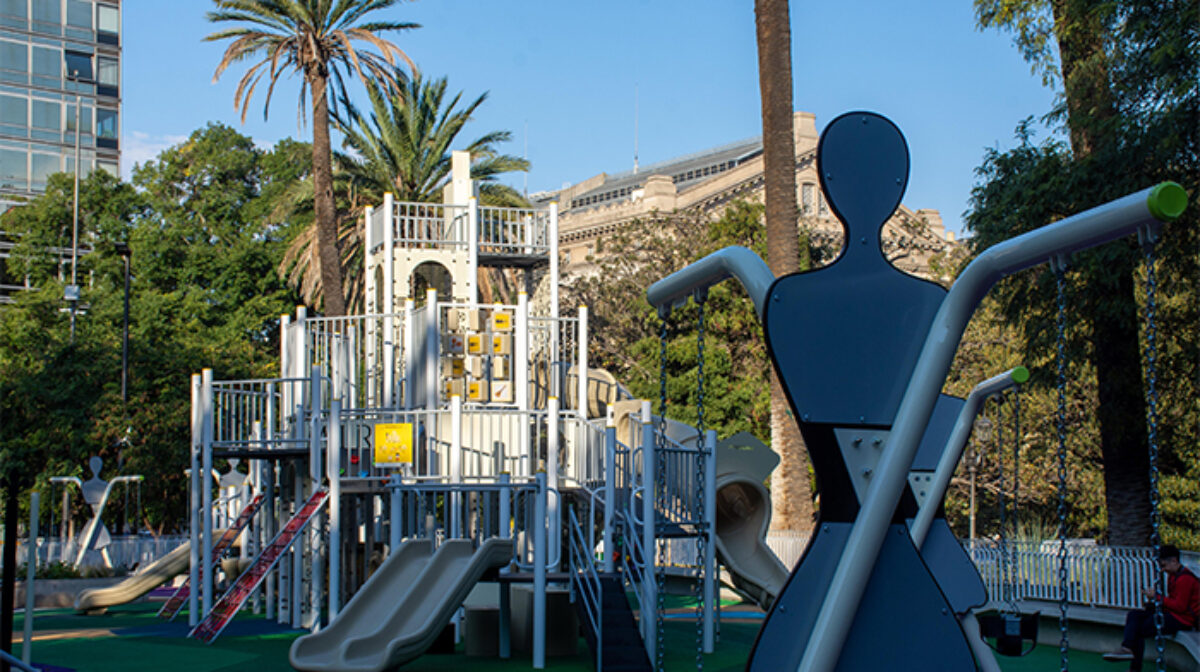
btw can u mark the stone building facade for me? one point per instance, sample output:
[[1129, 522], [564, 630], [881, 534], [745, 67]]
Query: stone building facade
[[703, 184]]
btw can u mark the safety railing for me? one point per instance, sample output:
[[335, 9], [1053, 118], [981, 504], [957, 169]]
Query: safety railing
[[583, 460], [1097, 576], [553, 348], [257, 414], [585, 583], [130, 552], [513, 231], [680, 501], [361, 355], [430, 225]]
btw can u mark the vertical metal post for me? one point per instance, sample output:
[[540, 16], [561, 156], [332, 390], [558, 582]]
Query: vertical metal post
[[539, 574], [31, 562], [710, 541], [296, 576], [267, 515], [314, 435], [472, 250], [581, 366], [334, 469], [554, 325], [206, 512], [395, 527], [455, 521], [389, 254], [432, 337], [649, 548], [505, 595], [196, 481], [552, 510], [521, 355], [408, 354], [610, 489]]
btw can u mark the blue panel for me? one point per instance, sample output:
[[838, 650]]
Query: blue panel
[[845, 338], [903, 622], [937, 432], [952, 568]]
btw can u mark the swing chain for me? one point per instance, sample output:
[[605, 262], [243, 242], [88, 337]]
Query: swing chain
[[658, 491], [1061, 429], [701, 527], [1148, 249]]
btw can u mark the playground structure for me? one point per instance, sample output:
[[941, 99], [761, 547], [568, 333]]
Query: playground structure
[[871, 590], [402, 456]]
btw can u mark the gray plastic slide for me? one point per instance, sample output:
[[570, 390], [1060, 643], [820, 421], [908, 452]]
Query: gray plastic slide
[[743, 514], [401, 609], [96, 600]]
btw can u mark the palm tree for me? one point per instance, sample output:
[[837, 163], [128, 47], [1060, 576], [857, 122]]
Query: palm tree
[[402, 147], [791, 492], [316, 39]]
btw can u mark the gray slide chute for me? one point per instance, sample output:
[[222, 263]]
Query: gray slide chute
[[96, 600], [402, 608]]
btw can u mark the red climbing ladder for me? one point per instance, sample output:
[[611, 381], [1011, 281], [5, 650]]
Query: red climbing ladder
[[236, 596], [172, 606]]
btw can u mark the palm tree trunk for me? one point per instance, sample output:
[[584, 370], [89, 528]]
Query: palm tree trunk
[[791, 492], [328, 255]]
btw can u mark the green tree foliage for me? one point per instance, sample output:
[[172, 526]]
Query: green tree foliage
[[1130, 77], [737, 394], [315, 39], [204, 294], [404, 148]]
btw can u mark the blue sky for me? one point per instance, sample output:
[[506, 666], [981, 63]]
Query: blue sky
[[562, 75]]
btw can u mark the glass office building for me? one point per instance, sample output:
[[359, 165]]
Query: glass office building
[[52, 53]]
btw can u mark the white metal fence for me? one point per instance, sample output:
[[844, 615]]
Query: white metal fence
[[125, 552]]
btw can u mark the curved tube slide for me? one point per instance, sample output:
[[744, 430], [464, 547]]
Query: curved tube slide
[[96, 600]]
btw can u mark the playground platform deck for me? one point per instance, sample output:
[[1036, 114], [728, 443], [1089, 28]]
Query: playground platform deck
[[130, 637]]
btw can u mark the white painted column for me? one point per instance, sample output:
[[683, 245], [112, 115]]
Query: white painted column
[[610, 489], [389, 254], [554, 334], [472, 250], [455, 457], [196, 482], [539, 574], [334, 456], [409, 355], [552, 510], [649, 549], [581, 366], [520, 359], [432, 338], [206, 512], [268, 511]]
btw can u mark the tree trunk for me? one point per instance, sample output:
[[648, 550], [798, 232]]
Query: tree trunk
[[791, 493], [328, 250], [1080, 34]]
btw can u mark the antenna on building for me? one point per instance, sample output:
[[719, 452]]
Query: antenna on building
[[635, 129], [525, 156]]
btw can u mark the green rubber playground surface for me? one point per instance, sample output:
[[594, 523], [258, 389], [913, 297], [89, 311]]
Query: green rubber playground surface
[[132, 638]]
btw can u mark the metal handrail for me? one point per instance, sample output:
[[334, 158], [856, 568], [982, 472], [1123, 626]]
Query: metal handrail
[[585, 583]]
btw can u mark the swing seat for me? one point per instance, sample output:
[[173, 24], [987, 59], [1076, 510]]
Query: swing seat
[[1012, 635]]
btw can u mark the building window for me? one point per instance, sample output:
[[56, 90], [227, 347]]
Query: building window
[[46, 114], [14, 112], [13, 169], [806, 198], [79, 14], [47, 16], [109, 167], [106, 128], [108, 24], [108, 73], [44, 165], [822, 205], [14, 57], [47, 67], [14, 7]]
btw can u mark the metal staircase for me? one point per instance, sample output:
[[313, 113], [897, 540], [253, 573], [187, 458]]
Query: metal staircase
[[172, 606], [233, 599]]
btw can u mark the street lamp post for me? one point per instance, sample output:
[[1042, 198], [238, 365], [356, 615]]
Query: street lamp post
[[126, 255], [78, 70]]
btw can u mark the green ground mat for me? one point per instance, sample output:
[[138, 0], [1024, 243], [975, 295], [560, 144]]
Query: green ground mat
[[139, 641]]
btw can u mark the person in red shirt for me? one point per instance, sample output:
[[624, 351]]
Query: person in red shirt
[[1179, 608]]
